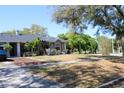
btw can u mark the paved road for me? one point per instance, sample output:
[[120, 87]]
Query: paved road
[[14, 76]]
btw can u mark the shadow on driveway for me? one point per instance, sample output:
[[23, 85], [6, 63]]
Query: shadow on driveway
[[21, 78]]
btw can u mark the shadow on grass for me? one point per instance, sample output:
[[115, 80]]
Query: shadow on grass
[[79, 76], [88, 59], [115, 59]]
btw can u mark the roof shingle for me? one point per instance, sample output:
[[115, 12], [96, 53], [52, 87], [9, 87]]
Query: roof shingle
[[27, 38]]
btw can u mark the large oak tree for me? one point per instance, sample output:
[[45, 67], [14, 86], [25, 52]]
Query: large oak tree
[[106, 18]]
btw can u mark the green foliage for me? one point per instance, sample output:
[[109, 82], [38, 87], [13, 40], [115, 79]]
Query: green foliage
[[71, 16], [107, 18], [7, 47], [80, 42], [34, 29], [28, 46], [93, 45], [62, 36], [11, 32], [53, 52], [36, 46]]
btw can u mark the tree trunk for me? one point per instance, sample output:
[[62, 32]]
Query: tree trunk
[[122, 43]]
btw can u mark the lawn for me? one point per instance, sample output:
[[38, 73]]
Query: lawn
[[86, 71], [91, 73], [58, 58]]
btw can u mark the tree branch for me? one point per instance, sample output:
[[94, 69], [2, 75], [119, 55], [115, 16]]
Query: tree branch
[[119, 10]]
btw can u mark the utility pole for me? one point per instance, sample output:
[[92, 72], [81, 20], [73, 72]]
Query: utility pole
[[113, 46]]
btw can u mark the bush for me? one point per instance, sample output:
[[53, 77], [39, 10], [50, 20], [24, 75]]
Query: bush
[[7, 47], [53, 52], [26, 54], [34, 54]]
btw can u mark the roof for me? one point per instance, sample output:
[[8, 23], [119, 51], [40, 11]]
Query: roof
[[27, 38]]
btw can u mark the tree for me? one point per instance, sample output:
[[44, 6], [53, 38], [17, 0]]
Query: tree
[[34, 29], [62, 36], [11, 32], [117, 45], [106, 18], [70, 16], [36, 46], [93, 45], [28, 46], [105, 45], [79, 41]]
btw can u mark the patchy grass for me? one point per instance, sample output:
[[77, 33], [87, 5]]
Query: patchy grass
[[83, 74], [53, 59], [59, 58], [46, 59], [91, 71]]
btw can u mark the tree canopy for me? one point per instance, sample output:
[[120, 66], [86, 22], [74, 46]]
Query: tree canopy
[[36, 46], [108, 18], [34, 29], [79, 41]]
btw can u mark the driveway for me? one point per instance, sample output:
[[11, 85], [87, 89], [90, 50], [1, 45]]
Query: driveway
[[15, 76]]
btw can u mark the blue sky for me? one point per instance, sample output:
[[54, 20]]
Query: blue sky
[[18, 17]]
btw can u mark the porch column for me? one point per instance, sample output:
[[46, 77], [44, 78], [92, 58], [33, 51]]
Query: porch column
[[18, 50], [65, 46]]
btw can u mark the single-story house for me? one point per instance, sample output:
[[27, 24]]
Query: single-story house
[[17, 42]]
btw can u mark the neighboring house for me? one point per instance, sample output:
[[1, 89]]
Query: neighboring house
[[18, 41]]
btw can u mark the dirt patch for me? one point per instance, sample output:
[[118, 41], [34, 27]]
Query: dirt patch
[[25, 61]]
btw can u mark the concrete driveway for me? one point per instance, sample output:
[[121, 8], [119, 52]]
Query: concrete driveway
[[15, 76]]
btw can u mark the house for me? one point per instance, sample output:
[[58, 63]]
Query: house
[[17, 42]]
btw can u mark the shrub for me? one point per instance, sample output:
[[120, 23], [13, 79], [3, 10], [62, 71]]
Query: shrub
[[7, 47], [53, 52]]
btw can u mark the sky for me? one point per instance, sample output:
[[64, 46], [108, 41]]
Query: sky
[[18, 17]]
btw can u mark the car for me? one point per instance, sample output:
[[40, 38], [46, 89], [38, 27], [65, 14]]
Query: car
[[3, 54]]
